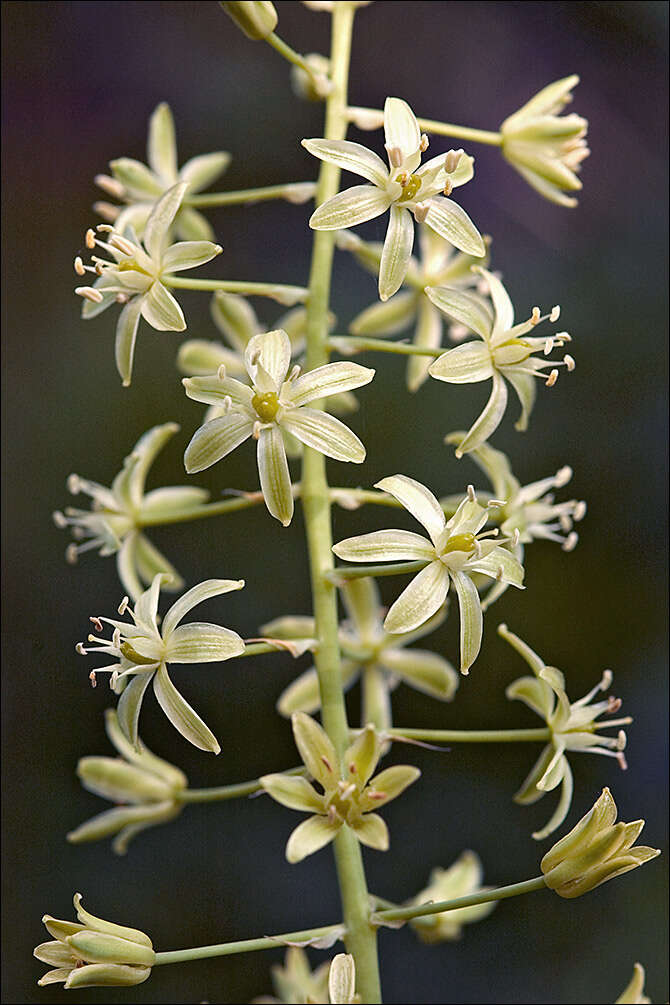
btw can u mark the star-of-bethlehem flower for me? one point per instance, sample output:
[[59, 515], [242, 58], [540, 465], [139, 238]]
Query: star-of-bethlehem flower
[[295, 981], [92, 953], [141, 186], [349, 793], [461, 879], [596, 849], [144, 787], [528, 509], [133, 276], [141, 653], [455, 552], [115, 522], [504, 353], [439, 264], [275, 403], [404, 188], [634, 994], [545, 147], [369, 652], [572, 725]]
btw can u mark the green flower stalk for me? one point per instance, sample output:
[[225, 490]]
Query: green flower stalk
[[596, 850], [634, 994], [404, 189], [115, 523], [459, 880], [133, 276], [454, 552], [94, 953], [144, 787], [380, 659], [140, 186], [349, 794], [573, 728], [504, 353], [141, 653]]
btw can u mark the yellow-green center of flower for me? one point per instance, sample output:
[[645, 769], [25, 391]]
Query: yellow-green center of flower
[[134, 657], [266, 405], [460, 542], [130, 265], [410, 190]]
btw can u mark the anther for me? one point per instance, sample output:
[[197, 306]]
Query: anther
[[79, 649], [116, 638], [221, 372], [96, 622], [535, 316], [551, 379], [570, 542], [420, 211], [327, 763], [623, 763], [579, 511], [256, 431], [104, 228], [472, 496], [255, 357], [606, 680], [122, 298], [90, 238], [73, 484], [548, 346], [496, 503], [79, 266], [122, 244], [92, 678], [109, 185], [613, 705], [395, 156], [555, 313], [515, 537], [98, 268], [562, 476], [423, 145], [59, 519], [106, 210], [71, 554], [621, 740], [448, 186], [227, 404], [295, 372], [452, 160], [569, 362], [123, 606], [88, 293]]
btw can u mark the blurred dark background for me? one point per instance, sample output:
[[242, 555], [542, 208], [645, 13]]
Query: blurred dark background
[[80, 82]]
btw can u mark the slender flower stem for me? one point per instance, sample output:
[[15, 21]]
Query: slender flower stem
[[247, 945], [343, 572], [471, 735], [297, 191], [223, 792], [373, 118], [381, 345], [361, 939], [484, 897], [241, 502], [287, 295], [289, 54]]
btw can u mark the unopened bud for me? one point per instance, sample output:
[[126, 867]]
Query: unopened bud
[[256, 19]]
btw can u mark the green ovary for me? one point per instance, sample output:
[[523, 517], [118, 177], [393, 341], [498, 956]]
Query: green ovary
[[460, 542], [134, 657], [410, 190], [266, 405]]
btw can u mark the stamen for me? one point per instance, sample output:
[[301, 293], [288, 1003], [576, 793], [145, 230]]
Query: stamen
[[96, 622], [452, 160], [606, 680], [122, 244], [613, 705], [472, 496], [59, 519], [71, 554], [570, 542], [110, 185], [420, 211], [551, 379], [256, 431], [579, 511], [562, 476], [73, 484], [88, 293], [123, 606], [227, 404], [423, 145], [569, 362], [555, 313], [448, 186], [122, 298], [79, 266], [535, 316], [79, 648], [106, 210], [296, 370], [92, 678], [221, 372], [395, 156], [90, 239]]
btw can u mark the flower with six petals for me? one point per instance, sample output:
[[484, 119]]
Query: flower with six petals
[[461, 879]]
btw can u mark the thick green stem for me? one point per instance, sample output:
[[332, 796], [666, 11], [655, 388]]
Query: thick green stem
[[373, 118], [286, 295], [296, 192], [246, 945], [361, 936], [483, 897], [223, 792], [471, 735]]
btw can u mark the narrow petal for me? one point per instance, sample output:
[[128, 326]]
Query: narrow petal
[[489, 420], [316, 750], [126, 334], [418, 500], [535, 662], [428, 335], [130, 704], [211, 389], [502, 304], [159, 223], [102, 975], [126, 567], [388, 318], [325, 433], [499, 564], [351, 157], [188, 255], [120, 782], [350, 207], [360, 759], [562, 807], [525, 386], [388, 785], [149, 561], [201, 642], [235, 318], [274, 475], [363, 605], [385, 546], [333, 378], [171, 501], [184, 719], [138, 180], [215, 440], [469, 363], [296, 793], [425, 671], [202, 170], [290, 626], [55, 954], [401, 130], [462, 306], [310, 836], [197, 595], [190, 225], [372, 831], [420, 600], [532, 692], [303, 694], [142, 456], [529, 792], [450, 221], [397, 252], [160, 309], [272, 352], [471, 619], [162, 144], [112, 821]]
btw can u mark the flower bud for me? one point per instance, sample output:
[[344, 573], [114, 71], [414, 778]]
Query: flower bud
[[314, 86], [256, 19]]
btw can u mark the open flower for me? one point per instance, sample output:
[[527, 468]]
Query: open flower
[[456, 550], [141, 186], [274, 404], [439, 264], [545, 147], [596, 849], [115, 523], [92, 953], [573, 727], [634, 994], [369, 652], [141, 653], [461, 879], [295, 981], [504, 353], [404, 188], [349, 793], [134, 276], [144, 787]]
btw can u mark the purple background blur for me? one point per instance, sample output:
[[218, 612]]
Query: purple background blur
[[80, 82]]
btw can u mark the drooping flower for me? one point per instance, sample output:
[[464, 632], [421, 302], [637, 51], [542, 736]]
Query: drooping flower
[[295, 981], [504, 353], [349, 794], [404, 188], [274, 404], [456, 550], [141, 653], [134, 275], [462, 878], [439, 264], [118, 515], [545, 147], [596, 849], [370, 653], [528, 509], [140, 186], [634, 994], [573, 727], [92, 953], [144, 787]]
